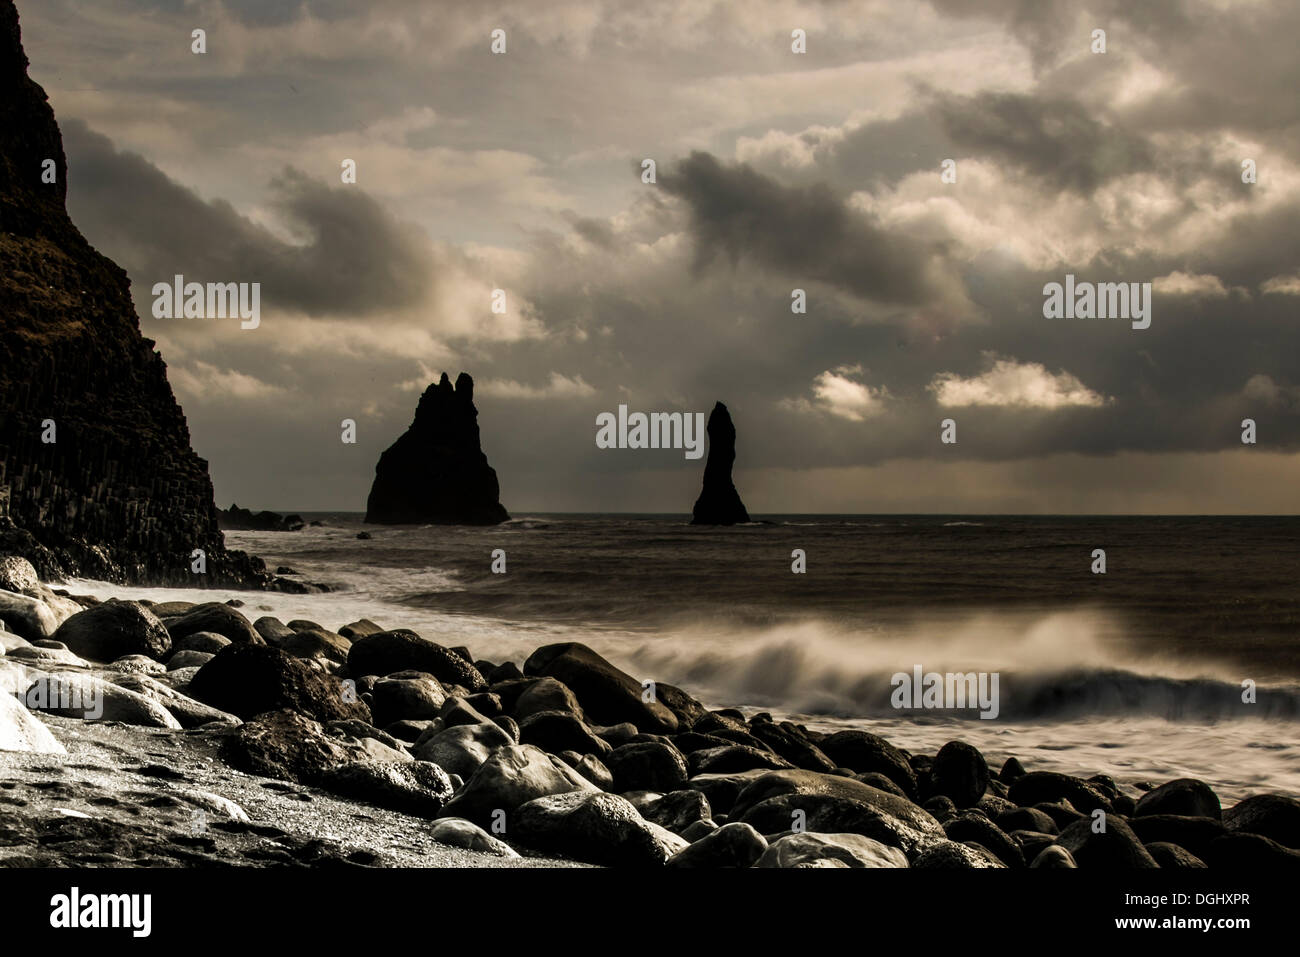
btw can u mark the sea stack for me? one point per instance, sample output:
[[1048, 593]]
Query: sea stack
[[97, 477], [719, 502], [436, 472]]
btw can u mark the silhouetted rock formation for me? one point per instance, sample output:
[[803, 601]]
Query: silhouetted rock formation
[[119, 494], [238, 519], [436, 472], [719, 502]]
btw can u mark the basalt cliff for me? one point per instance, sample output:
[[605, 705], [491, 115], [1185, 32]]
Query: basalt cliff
[[97, 477], [436, 472]]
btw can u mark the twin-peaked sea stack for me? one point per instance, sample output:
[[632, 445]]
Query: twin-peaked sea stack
[[436, 472], [719, 502]]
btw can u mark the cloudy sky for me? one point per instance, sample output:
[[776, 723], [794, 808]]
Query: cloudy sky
[[775, 171]]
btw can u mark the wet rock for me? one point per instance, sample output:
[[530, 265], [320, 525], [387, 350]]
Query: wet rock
[[1184, 796], [21, 731], [1193, 833], [555, 731], [545, 694], [863, 751], [93, 699], [732, 845], [250, 679], [595, 827], [186, 710], [216, 617], [647, 766], [1251, 853], [1116, 848], [415, 698], [606, 694], [509, 777], [418, 787], [403, 650], [677, 810], [1039, 787], [285, 745], [1173, 857], [462, 748], [952, 856], [208, 642], [188, 659], [114, 629], [852, 850], [735, 757], [458, 832], [960, 772], [1275, 816], [1054, 856], [27, 617], [973, 827]]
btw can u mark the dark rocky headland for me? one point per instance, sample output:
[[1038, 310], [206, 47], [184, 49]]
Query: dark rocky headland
[[97, 476], [436, 472], [225, 740]]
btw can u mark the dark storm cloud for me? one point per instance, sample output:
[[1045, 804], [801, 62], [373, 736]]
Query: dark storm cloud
[[809, 233], [351, 256], [1055, 139]]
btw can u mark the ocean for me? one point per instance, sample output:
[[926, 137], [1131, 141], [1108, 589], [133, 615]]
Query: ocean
[[1138, 673]]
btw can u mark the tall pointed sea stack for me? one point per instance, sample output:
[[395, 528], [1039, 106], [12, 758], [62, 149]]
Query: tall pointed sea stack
[[436, 472], [719, 502], [97, 477]]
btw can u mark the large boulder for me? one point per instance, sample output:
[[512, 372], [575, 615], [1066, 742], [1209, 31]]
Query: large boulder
[[509, 777], [595, 827], [416, 787], [952, 856], [732, 845], [189, 712], [462, 748], [76, 695], [863, 751], [113, 629], [286, 745], [216, 617], [646, 766], [21, 731], [27, 617], [1275, 816], [1115, 848], [851, 850], [1185, 796], [607, 695], [1045, 787], [960, 772], [403, 650], [556, 731], [250, 679], [414, 698]]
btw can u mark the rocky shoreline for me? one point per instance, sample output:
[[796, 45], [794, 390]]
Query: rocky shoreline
[[178, 734]]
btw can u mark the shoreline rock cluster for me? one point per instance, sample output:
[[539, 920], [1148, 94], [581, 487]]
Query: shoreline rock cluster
[[565, 755]]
